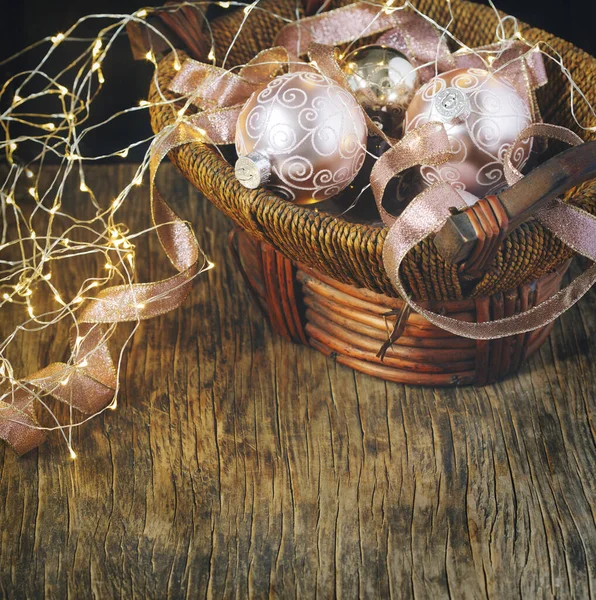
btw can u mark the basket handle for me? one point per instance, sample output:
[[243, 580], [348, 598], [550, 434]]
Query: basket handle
[[472, 237]]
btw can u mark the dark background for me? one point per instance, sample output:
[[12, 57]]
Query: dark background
[[26, 21]]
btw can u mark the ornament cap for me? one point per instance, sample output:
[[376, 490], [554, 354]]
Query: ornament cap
[[452, 104], [253, 170]]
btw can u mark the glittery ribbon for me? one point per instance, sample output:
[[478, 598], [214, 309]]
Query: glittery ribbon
[[420, 41], [89, 384], [220, 94], [427, 213]]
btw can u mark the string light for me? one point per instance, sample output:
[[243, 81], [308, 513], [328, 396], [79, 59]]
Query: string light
[[96, 48], [56, 39]]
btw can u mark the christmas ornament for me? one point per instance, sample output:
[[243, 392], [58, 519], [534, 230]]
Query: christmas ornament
[[303, 135], [483, 114], [381, 77]]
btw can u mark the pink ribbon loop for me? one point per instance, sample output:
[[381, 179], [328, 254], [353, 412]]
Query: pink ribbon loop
[[428, 212], [89, 384]]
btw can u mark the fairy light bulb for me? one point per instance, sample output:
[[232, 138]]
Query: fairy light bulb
[[96, 48]]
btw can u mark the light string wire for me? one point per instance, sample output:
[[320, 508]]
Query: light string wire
[[60, 133]]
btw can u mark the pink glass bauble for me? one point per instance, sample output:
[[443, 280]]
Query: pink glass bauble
[[483, 114], [303, 136]]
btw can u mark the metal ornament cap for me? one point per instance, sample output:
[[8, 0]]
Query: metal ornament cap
[[452, 104], [253, 170]]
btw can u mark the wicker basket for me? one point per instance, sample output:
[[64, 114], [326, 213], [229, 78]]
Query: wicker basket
[[320, 279]]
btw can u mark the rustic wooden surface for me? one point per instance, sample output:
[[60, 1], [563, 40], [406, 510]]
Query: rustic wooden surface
[[240, 465]]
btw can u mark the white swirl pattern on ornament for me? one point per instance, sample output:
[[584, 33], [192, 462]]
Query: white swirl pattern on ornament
[[312, 131], [480, 138]]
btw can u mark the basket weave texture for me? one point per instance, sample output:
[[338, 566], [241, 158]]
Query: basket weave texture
[[352, 253]]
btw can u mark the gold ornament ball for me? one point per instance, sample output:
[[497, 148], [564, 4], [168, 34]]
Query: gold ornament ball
[[381, 77]]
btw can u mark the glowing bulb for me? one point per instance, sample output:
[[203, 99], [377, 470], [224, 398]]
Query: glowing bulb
[[224, 4], [9, 199], [123, 153], [30, 311], [142, 13], [83, 187], [143, 103], [6, 297], [138, 180], [55, 209], [139, 305], [58, 299], [83, 364], [49, 126], [12, 146], [150, 56], [95, 66], [16, 99], [73, 454], [47, 276], [63, 90], [33, 236], [96, 47], [56, 39], [33, 192], [77, 300], [211, 55], [93, 284], [181, 112], [29, 174], [100, 76], [177, 65], [108, 266]]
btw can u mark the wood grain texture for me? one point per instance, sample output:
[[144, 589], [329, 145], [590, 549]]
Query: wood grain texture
[[240, 465]]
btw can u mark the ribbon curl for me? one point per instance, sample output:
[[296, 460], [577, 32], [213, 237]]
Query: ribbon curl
[[220, 94], [422, 44], [427, 213], [90, 384]]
